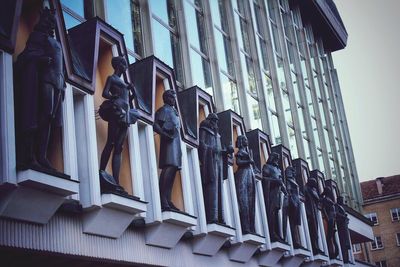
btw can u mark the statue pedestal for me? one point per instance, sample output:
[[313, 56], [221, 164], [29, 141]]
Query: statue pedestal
[[335, 262], [36, 196], [317, 260], [168, 233], [242, 252], [300, 255], [271, 257], [113, 217], [210, 243]]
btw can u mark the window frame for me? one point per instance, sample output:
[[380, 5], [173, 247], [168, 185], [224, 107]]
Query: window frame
[[376, 243], [398, 214], [369, 216]]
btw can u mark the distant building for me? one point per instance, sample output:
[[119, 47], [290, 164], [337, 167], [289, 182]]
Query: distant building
[[382, 207]]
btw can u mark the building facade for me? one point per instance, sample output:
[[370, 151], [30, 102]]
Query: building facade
[[381, 206], [266, 68]]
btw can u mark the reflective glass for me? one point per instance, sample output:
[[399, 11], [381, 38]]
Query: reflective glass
[[286, 108], [162, 50], [321, 162], [292, 141], [270, 92], [307, 153], [276, 134], [76, 5], [255, 116], [230, 94], [281, 73], [160, 9], [195, 27], [70, 21], [302, 120], [315, 131], [201, 73]]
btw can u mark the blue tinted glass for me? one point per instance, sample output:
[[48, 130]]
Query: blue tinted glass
[[70, 21], [119, 16], [159, 8], [76, 6], [162, 43]]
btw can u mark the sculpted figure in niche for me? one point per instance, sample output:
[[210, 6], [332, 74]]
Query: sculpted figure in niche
[[342, 222], [329, 209], [167, 125], [40, 90], [213, 167], [245, 185], [312, 204], [293, 205], [118, 111], [273, 187]]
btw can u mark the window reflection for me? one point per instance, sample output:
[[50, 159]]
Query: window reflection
[[230, 94], [276, 134], [255, 116], [124, 15], [77, 6]]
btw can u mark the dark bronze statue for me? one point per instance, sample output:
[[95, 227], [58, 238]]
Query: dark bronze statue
[[245, 185], [312, 203], [273, 187], [329, 211], [167, 125], [118, 111], [342, 222], [294, 209], [40, 90], [213, 167]]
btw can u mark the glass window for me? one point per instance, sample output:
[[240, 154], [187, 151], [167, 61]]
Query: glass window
[[276, 134], [292, 142], [124, 15], [255, 116], [201, 73], [270, 92], [77, 6], [377, 243], [230, 94], [307, 152], [395, 214], [398, 239], [164, 29], [357, 248]]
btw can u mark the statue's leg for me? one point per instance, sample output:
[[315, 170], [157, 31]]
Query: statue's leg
[[252, 206], [117, 155], [45, 117], [166, 182], [111, 136], [220, 201], [284, 217]]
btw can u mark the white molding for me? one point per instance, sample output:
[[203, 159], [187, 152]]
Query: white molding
[[8, 172], [186, 180], [134, 160]]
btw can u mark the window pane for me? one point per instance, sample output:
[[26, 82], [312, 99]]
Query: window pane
[[76, 6], [276, 135], [162, 50], [201, 73], [160, 9], [255, 117], [70, 21], [230, 94]]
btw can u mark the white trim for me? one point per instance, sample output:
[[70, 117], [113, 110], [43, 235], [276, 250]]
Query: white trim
[[8, 172]]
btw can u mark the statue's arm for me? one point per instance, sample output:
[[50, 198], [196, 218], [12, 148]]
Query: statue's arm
[[241, 160], [106, 91]]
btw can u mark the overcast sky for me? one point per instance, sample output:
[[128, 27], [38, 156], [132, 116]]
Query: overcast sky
[[369, 75]]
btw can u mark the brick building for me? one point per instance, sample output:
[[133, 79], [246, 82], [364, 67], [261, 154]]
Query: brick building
[[382, 207]]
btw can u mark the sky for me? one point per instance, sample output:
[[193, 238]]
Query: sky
[[369, 73]]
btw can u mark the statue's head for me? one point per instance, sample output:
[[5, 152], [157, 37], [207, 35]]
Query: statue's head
[[290, 172], [213, 119], [328, 192], [119, 64], [340, 200], [273, 159], [47, 22], [241, 141], [312, 182], [169, 97]]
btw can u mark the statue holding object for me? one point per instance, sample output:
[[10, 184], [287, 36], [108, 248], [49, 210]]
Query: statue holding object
[[245, 185], [40, 90], [167, 125], [273, 189], [118, 111], [213, 167], [312, 203], [342, 222], [294, 209], [329, 211]]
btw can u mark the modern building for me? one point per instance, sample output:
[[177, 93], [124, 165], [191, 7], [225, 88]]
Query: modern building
[[266, 68], [382, 206]]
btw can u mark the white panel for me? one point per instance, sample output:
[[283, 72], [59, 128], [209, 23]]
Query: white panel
[[69, 137], [234, 205], [8, 173], [186, 180], [134, 159]]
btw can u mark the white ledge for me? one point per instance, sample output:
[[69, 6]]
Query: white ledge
[[178, 218], [47, 182], [220, 230], [123, 203]]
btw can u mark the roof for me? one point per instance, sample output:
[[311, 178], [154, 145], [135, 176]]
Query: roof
[[391, 186]]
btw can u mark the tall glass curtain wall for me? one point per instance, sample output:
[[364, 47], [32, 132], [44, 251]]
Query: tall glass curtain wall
[[254, 56]]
